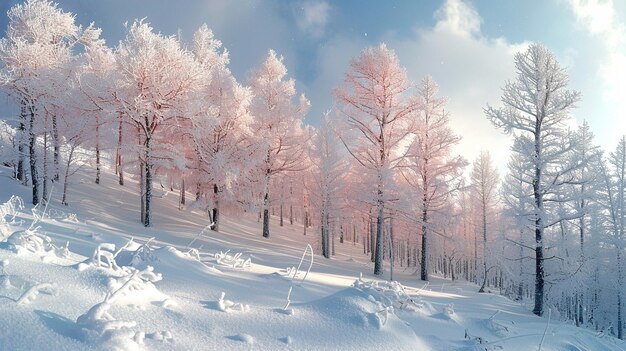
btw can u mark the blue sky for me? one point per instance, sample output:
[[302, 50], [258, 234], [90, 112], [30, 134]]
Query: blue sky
[[466, 45]]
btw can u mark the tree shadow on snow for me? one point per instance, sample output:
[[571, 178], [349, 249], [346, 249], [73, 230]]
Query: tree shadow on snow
[[59, 324]]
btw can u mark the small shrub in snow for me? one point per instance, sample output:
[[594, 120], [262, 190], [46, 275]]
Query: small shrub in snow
[[10, 210], [193, 253], [98, 326], [62, 216], [63, 251], [143, 254], [232, 260], [135, 280], [295, 271], [104, 257], [30, 240], [288, 272], [228, 306]]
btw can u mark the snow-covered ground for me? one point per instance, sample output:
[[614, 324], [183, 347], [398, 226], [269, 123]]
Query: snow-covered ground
[[231, 292]]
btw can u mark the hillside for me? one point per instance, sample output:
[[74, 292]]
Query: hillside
[[215, 299]]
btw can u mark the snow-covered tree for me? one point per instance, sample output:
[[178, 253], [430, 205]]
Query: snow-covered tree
[[536, 109], [156, 78], [222, 123], [613, 175], [330, 168], [585, 151], [518, 207], [376, 117], [38, 45], [484, 186], [429, 168], [277, 125], [94, 94]]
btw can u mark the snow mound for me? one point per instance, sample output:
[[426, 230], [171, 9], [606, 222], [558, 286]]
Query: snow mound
[[248, 339], [356, 312], [169, 259], [99, 327], [389, 294], [139, 287]]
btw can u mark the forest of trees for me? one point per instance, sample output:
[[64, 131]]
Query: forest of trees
[[379, 171]]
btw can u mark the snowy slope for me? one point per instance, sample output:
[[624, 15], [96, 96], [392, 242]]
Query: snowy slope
[[204, 302]]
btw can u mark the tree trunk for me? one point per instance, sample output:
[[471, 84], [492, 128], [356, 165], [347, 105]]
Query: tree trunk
[[216, 209], [32, 143], [67, 175], [391, 252], [408, 253], [323, 228], [21, 172], [182, 191], [332, 234], [97, 150], [620, 286], [581, 222], [341, 234], [378, 257], [364, 244], [142, 194], [281, 214], [44, 195], [539, 228], [371, 240], [291, 204], [57, 148], [266, 215], [148, 185], [424, 263], [266, 199], [484, 225], [118, 156]]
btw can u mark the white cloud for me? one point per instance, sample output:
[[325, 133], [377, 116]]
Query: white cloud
[[600, 19], [469, 67], [458, 17], [314, 18]]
